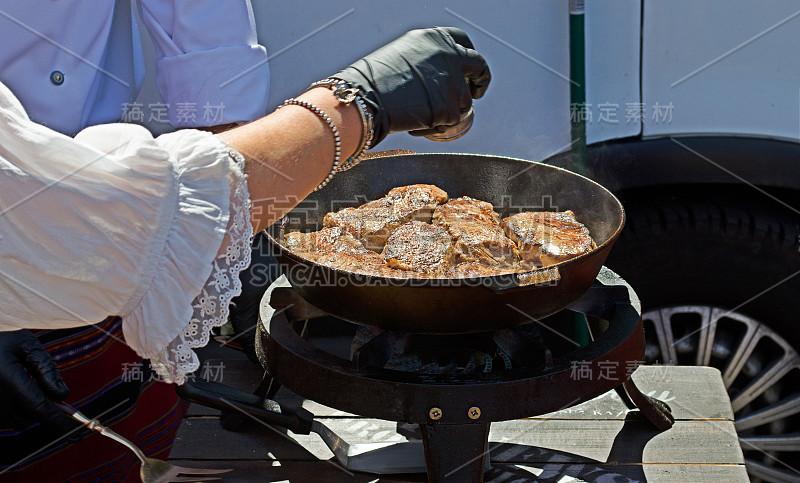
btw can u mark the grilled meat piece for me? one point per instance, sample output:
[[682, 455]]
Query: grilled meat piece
[[420, 247], [477, 236], [483, 243], [365, 263], [373, 222], [419, 194], [547, 237], [465, 209], [334, 247], [327, 240]]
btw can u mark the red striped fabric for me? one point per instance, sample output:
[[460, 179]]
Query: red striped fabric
[[101, 372]]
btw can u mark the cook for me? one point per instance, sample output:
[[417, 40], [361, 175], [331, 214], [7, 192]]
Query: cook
[[73, 64], [99, 224]]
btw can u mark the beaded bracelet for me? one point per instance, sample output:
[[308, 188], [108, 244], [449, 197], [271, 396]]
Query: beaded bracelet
[[346, 94], [366, 136], [337, 157]]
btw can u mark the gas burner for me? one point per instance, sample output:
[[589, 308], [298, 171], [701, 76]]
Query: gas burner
[[453, 354], [453, 408]]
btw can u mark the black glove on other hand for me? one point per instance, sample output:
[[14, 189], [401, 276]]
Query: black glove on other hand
[[29, 379], [424, 79]]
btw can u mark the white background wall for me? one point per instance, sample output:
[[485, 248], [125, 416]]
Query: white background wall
[[751, 84], [525, 112]]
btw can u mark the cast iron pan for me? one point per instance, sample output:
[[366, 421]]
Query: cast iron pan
[[448, 306]]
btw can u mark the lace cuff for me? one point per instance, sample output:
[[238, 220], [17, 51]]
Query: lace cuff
[[211, 306]]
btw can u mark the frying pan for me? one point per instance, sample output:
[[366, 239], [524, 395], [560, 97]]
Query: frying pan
[[449, 306]]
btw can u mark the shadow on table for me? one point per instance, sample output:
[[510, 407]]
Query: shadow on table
[[517, 463]]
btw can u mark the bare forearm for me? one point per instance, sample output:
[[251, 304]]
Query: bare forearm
[[290, 151]]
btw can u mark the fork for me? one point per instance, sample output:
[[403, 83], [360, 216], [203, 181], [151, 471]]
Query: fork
[[152, 470]]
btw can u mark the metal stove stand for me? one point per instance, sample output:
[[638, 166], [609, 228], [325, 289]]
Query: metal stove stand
[[453, 411]]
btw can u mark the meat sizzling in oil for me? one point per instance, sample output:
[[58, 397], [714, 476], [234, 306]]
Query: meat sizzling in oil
[[548, 237], [334, 247], [420, 247], [465, 209], [477, 236], [328, 240], [373, 222], [412, 232]]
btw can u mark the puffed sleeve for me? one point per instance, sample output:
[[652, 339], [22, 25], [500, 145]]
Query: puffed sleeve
[[115, 222], [210, 68]]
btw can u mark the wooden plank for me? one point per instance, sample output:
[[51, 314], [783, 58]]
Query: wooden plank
[[271, 470], [687, 442], [555, 441], [692, 392], [292, 400], [302, 472], [574, 473], [561, 441]]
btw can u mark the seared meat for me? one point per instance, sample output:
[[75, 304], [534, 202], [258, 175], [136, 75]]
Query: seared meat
[[337, 248], [465, 209], [483, 243], [412, 232], [418, 194], [327, 240], [300, 243], [366, 263], [420, 247], [373, 222], [548, 237], [477, 236]]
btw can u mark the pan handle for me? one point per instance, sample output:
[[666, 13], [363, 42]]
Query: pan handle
[[222, 397], [544, 277]]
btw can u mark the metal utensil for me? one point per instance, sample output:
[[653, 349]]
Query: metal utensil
[[152, 470], [379, 458], [451, 133]]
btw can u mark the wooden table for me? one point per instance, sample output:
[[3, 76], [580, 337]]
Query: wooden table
[[595, 441]]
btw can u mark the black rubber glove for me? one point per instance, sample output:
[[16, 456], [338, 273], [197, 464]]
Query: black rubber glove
[[29, 379], [424, 79]]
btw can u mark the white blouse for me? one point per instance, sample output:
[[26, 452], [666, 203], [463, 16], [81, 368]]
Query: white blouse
[[115, 222]]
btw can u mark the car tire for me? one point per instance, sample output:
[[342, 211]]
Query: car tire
[[718, 272]]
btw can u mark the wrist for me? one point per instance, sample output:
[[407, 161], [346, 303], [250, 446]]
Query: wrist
[[346, 94], [344, 116]]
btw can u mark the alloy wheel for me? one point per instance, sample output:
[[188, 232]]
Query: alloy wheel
[[760, 370]]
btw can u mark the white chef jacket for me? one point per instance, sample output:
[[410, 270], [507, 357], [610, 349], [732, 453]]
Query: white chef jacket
[[76, 63], [115, 222]]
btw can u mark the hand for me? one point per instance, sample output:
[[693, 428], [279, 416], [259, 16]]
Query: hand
[[424, 79], [29, 378]]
